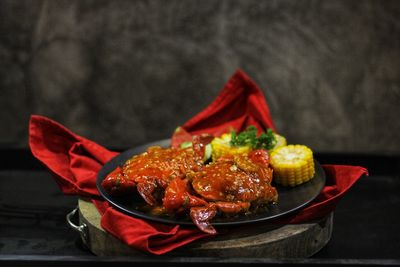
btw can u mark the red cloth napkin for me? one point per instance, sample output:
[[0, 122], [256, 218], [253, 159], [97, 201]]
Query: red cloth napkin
[[74, 161]]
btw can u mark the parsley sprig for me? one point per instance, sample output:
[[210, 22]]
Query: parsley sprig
[[266, 140]]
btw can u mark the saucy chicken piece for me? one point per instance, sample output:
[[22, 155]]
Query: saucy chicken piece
[[151, 172], [230, 185], [244, 177]]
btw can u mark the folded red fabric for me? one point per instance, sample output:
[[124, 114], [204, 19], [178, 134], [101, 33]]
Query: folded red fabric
[[239, 104], [74, 162]]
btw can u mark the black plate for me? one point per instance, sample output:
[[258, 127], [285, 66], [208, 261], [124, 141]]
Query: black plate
[[290, 199]]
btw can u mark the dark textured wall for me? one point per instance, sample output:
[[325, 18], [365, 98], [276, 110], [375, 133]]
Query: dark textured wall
[[126, 72]]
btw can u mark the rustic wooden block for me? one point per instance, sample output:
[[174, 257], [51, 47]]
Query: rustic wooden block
[[253, 240]]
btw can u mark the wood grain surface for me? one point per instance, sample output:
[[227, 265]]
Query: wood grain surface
[[255, 240]]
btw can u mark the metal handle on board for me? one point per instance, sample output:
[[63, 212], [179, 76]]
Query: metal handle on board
[[81, 229]]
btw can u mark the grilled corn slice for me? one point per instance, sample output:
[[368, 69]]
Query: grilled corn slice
[[280, 141], [292, 165], [221, 146]]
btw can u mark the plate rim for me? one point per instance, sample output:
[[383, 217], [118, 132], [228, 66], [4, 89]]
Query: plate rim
[[166, 220]]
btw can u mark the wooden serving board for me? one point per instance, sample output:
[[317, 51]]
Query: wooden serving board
[[252, 240]]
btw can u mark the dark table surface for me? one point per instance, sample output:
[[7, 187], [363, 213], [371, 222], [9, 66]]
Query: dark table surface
[[33, 229]]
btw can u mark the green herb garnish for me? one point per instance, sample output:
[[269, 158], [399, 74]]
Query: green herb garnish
[[248, 137]]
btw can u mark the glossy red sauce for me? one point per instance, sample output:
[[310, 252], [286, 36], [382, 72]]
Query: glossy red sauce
[[236, 178], [162, 165]]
